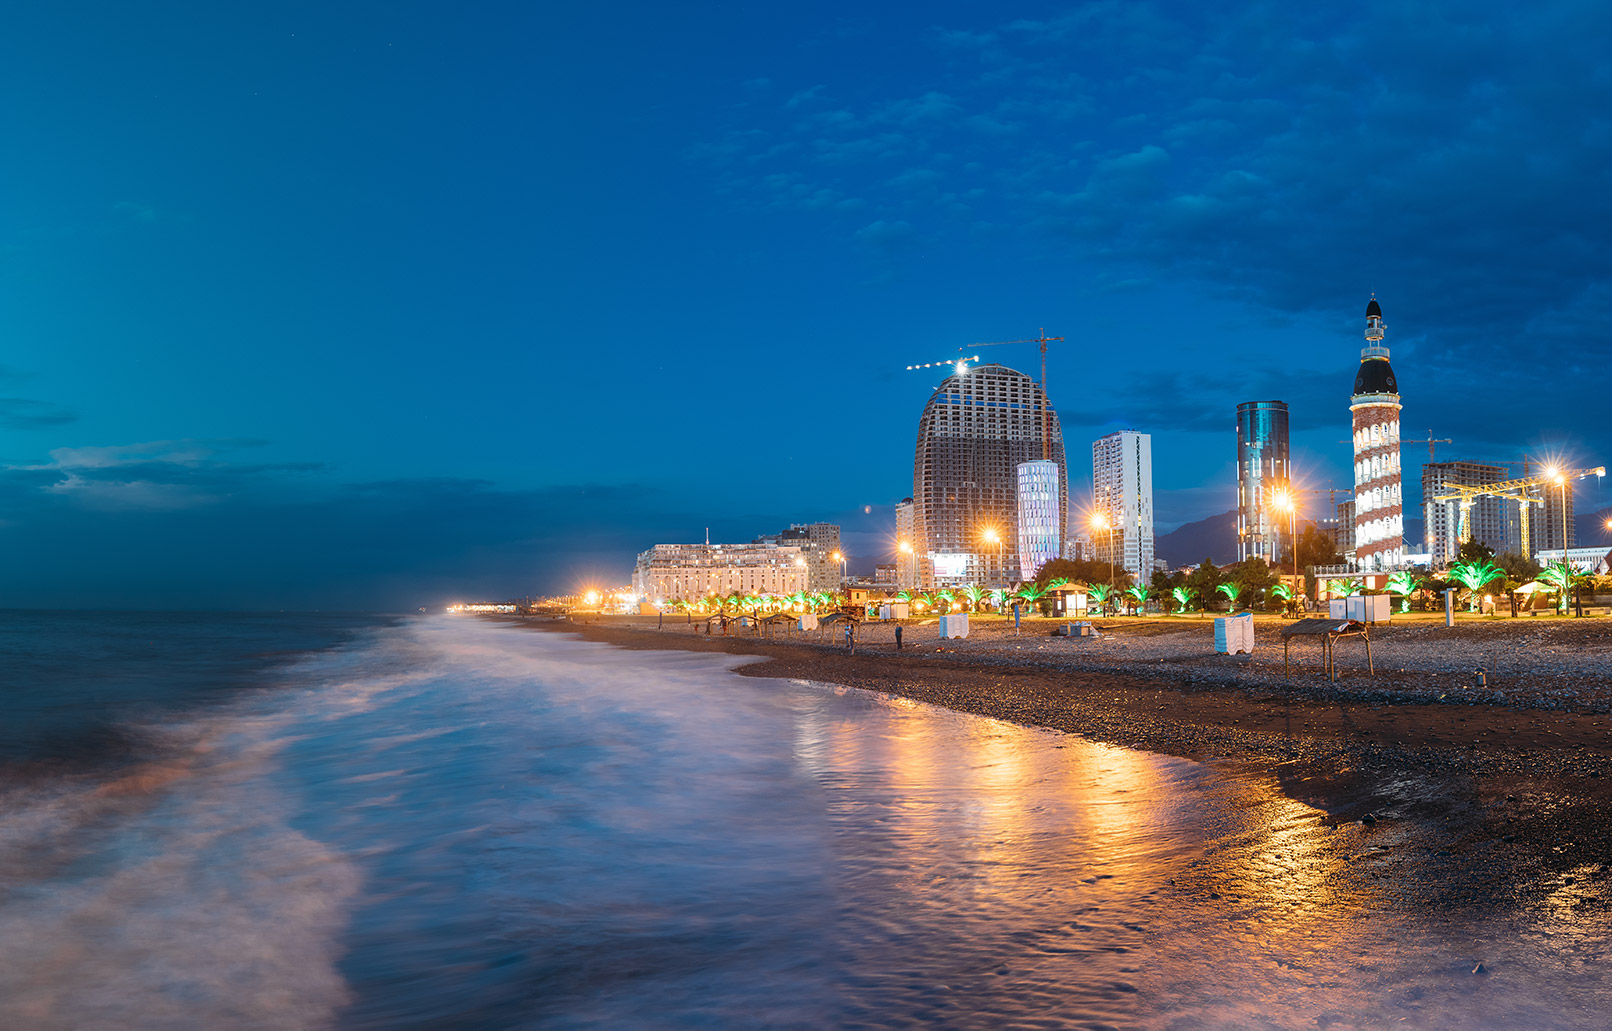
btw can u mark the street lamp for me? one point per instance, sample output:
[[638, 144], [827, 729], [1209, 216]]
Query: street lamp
[[1100, 522], [1284, 501], [992, 537], [839, 556], [903, 562]]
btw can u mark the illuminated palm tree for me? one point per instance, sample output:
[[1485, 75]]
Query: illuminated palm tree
[[1474, 576], [1230, 590], [1000, 598], [1032, 593], [1057, 582], [1405, 583], [946, 596], [1101, 592], [1564, 578], [1349, 588], [974, 593], [1139, 594], [1183, 597]]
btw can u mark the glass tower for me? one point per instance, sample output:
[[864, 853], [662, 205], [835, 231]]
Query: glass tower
[[1040, 515], [1262, 469]]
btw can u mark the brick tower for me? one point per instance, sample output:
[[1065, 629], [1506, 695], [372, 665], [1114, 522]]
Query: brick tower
[[1379, 504]]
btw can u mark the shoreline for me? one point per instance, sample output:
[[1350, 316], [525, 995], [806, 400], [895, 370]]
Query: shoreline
[[1517, 800]]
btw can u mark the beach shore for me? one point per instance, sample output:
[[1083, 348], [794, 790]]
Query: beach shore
[[1514, 777]]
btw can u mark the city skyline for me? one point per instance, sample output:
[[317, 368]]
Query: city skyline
[[374, 307]]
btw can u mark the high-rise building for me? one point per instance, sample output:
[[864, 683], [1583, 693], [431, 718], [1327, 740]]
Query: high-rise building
[[1379, 507], [978, 426], [1041, 516], [1262, 470], [906, 546], [818, 544], [1122, 493], [1344, 530], [1488, 517]]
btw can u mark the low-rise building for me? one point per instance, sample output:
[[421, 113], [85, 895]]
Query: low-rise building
[[672, 572]]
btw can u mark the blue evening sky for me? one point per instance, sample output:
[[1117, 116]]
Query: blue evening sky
[[353, 305]]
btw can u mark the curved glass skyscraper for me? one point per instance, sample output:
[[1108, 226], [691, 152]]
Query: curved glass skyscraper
[[976, 430], [1262, 469], [1040, 515]]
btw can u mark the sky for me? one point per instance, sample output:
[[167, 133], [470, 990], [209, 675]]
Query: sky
[[385, 305]]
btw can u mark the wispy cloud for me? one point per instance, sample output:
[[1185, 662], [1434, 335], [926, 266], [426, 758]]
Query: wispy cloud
[[21, 413]]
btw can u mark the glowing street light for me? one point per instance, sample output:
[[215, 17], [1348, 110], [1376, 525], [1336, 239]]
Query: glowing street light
[[1099, 521], [1283, 500], [991, 536], [839, 556]]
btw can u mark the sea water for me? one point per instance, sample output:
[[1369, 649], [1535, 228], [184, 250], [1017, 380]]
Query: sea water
[[312, 821]]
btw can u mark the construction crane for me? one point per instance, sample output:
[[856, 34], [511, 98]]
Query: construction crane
[[1429, 440], [960, 363], [1518, 490]]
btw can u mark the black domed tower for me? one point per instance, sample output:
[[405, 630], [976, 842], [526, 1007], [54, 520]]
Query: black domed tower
[[1379, 505]]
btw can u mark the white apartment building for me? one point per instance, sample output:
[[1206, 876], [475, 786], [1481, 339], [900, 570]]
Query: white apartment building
[[669, 572], [1122, 492]]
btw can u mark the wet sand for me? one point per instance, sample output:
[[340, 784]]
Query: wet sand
[[1469, 796]]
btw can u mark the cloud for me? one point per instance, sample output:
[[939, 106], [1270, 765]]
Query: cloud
[[153, 475], [21, 413]]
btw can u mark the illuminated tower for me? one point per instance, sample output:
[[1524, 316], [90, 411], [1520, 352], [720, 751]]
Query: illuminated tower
[[1262, 470], [978, 427], [1041, 515], [1379, 506]]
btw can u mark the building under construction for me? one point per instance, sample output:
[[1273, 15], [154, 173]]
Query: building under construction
[[980, 424]]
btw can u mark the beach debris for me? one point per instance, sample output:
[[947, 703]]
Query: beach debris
[[1480, 969]]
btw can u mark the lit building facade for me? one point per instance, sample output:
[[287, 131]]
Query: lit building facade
[[1491, 519], [1122, 493], [669, 572], [1262, 469], [1041, 516], [1379, 535], [818, 543], [976, 429], [906, 546]]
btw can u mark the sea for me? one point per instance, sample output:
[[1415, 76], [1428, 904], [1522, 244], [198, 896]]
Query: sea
[[341, 821]]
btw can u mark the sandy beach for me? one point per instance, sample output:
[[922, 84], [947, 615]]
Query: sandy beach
[[1513, 776]]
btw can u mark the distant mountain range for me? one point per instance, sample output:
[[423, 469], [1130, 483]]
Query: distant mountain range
[[1214, 538]]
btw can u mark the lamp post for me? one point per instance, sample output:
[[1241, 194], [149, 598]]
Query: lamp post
[[992, 537], [839, 556], [1285, 502], [1100, 522], [905, 549], [800, 563]]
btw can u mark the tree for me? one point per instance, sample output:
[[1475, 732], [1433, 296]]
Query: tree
[[1083, 571], [945, 595], [1520, 568], [1564, 578], [1474, 576], [1230, 590], [1474, 551], [1139, 595], [1405, 583], [1183, 597], [1282, 593], [1000, 598], [1204, 580], [1316, 548], [1101, 593], [974, 592]]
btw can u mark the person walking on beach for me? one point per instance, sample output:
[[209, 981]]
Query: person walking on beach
[[898, 637]]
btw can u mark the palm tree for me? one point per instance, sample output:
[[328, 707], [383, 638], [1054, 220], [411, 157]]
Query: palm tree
[[1139, 594], [1230, 590], [1564, 578], [1057, 582], [1101, 592], [1405, 583], [905, 595], [1032, 593], [1474, 576], [974, 593], [1000, 598], [946, 595], [1284, 593], [1347, 588], [1183, 597]]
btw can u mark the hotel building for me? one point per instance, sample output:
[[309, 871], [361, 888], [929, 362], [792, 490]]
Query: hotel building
[[669, 572], [1122, 493], [978, 427]]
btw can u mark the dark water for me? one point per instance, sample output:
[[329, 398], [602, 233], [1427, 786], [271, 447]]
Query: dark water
[[320, 822]]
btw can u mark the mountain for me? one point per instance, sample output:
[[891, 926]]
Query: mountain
[[1214, 538]]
